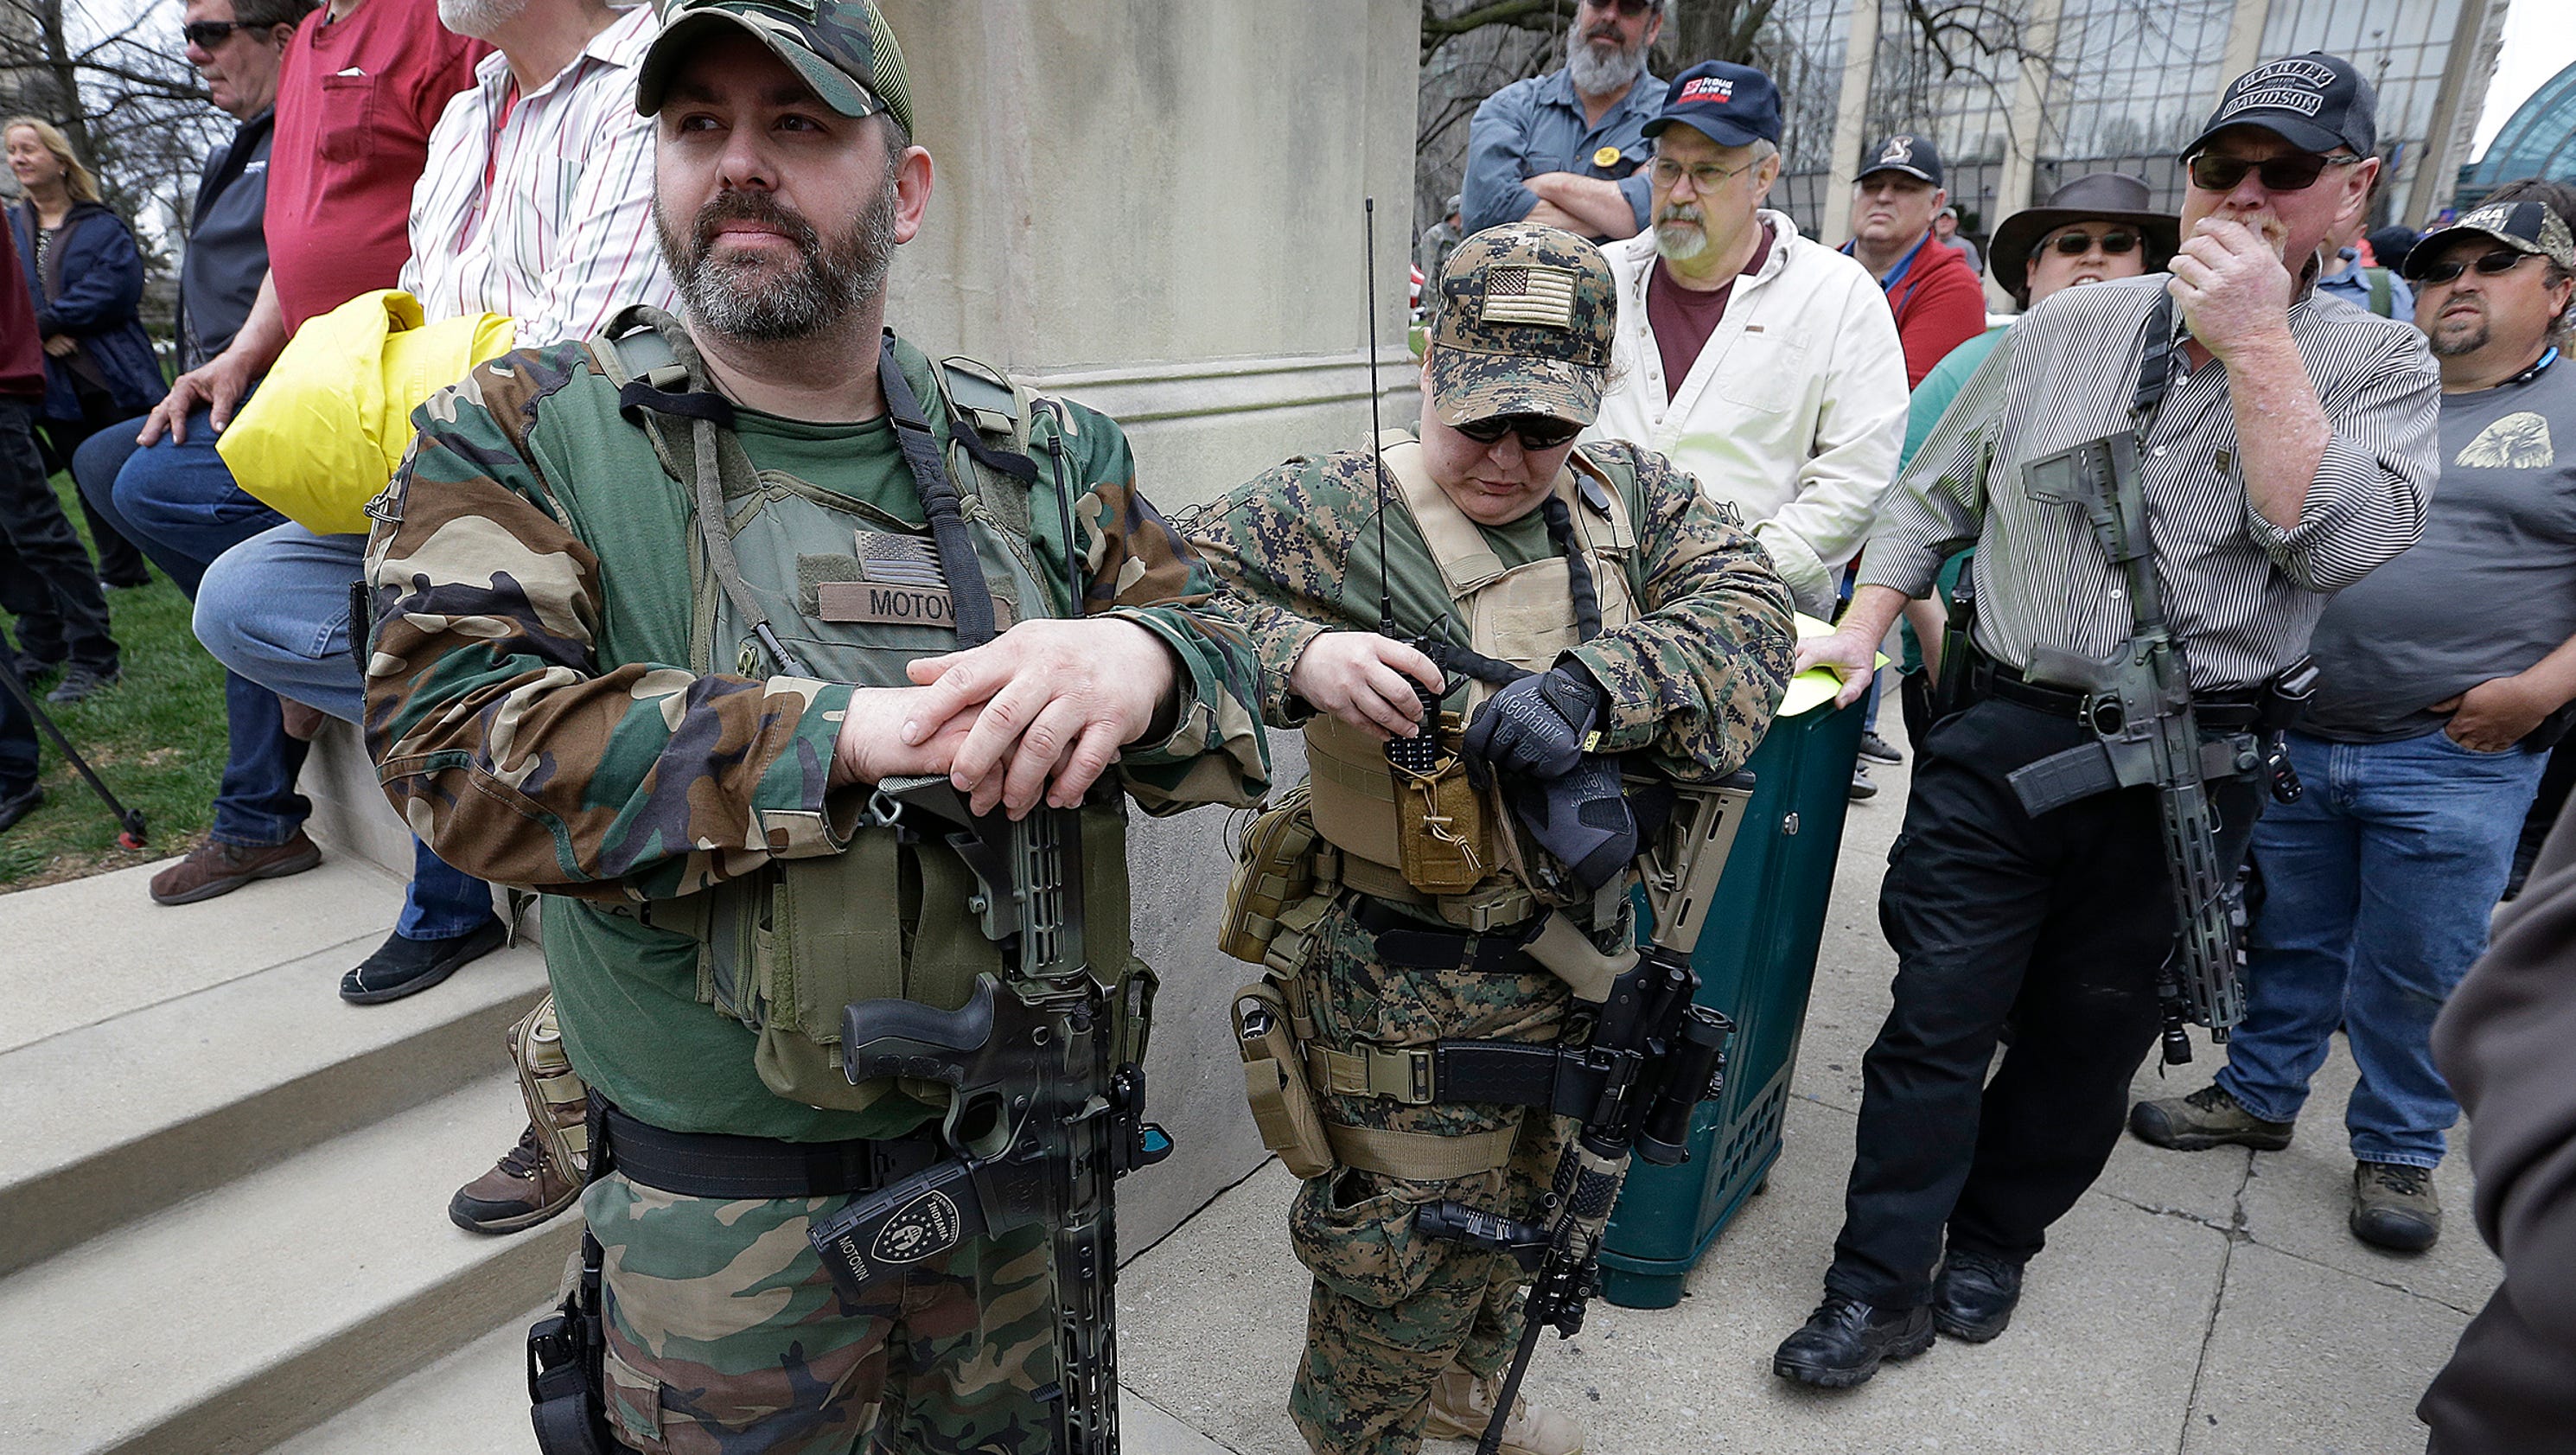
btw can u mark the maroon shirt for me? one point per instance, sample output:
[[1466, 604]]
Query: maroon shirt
[[356, 99], [22, 354], [1684, 318]]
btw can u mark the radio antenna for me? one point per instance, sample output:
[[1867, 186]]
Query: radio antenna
[[1377, 446]]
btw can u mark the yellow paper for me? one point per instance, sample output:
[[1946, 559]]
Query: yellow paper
[[1816, 686]]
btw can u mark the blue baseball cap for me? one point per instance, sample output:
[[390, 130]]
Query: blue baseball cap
[[1731, 105]]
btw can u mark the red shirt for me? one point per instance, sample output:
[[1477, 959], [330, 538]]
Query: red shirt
[[1939, 305], [355, 102], [1682, 319], [22, 356]]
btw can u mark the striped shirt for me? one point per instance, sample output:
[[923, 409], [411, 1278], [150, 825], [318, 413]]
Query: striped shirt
[[2241, 594], [541, 206]]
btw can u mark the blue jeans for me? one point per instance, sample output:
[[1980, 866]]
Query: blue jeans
[[276, 610], [2376, 889], [179, 504]]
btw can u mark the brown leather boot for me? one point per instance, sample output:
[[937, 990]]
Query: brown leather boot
[[521, 1191], [216, 868]]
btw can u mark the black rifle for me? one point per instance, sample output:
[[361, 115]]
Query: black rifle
[[2138, 704], [1040, 1119], [1650, 1057]]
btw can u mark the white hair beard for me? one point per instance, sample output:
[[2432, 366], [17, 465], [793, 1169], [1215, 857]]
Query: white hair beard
[[1592, 74]]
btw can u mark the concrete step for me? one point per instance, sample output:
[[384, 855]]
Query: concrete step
[[76, 954], [476, 1399], [115, 1118], [240, 1317]]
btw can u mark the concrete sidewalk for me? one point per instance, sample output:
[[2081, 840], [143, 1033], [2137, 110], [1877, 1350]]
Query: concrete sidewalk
[[2206, 1302]]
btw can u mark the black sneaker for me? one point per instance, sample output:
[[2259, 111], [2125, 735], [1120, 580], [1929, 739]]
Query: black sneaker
[[403, 966], [15, 806], [1861, 787], [1875, 748], [1973, 1298], [2394, 1206], [1844, 1341], [80, 680]]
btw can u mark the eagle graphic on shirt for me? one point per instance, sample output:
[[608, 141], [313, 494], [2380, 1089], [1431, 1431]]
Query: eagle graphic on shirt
[[2519, 441]]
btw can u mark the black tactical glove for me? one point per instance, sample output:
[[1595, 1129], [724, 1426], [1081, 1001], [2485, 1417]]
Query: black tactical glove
[[1582, 818], [1537, 726]]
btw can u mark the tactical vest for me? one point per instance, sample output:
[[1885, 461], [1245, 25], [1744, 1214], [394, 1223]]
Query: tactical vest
[[853, 594], [1523, 615]]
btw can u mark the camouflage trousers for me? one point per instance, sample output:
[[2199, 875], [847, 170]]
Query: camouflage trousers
[[1391, 1308], [725, 1335]]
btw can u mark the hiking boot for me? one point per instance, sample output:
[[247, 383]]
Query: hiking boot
[[404, 966], [521, 1191], [216, 868], [2207, 1118], [16, 806], [2394, 1206], [1844, 1340], [81, 681], [1973, 1298], [1462, 1404], [1861, 787], [1876, 749]]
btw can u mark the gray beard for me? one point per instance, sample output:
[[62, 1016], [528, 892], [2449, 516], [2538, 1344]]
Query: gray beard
[[1680, 245], [2453, 346], [1594, 75], [832, 278]]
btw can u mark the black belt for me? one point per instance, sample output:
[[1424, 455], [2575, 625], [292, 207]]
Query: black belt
[[2222, 711], [710, 1164], [1407, 942]]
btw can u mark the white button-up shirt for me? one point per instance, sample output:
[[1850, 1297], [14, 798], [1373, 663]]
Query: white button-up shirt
[[1793, 413], [542, 207]]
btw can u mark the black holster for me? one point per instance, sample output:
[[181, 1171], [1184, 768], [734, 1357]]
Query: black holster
[[567, 1348], [1951, 691]]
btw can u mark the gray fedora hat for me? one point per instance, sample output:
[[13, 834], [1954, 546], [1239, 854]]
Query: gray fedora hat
[[2096, 197]]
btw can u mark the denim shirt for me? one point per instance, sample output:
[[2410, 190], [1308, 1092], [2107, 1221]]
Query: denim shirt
[[1535, 126]]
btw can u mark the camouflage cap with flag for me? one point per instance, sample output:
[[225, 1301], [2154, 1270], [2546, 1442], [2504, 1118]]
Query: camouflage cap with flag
[[842, 48], [1526, 319]]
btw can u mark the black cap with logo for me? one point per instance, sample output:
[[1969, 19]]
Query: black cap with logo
[[1906, 152], [1731, 105], [2315, 102]]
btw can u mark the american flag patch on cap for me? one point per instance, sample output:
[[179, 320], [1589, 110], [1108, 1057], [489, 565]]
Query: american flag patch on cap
[[1529, 293]]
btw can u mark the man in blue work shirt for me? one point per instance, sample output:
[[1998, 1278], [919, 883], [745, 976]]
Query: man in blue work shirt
[[1566, 149]]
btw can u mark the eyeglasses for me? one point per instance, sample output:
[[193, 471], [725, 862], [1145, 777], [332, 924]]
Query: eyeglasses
[[205, 35], [2494, 264], [1536, 431], [2077, 244], [1705, 177], [2297, 172], [1629, 8]]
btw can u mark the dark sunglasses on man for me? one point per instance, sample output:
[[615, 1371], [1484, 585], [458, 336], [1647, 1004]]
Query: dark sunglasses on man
[[1536, 431], [2297, 172], [2491, 265], [2077, 244], [1629, 8], [205, 35]]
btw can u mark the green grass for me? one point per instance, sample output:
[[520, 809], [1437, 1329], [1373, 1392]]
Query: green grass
[[156, 738]]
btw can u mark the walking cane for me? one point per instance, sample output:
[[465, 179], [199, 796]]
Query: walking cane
[[130, 821]]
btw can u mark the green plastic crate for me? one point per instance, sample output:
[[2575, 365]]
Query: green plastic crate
[[1756, 961]]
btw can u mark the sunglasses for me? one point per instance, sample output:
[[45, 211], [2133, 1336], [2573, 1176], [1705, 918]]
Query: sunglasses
[[205, 35], [1630, 8], [2494, 264], [2077, 244], [2297, 172], [1536, 431]]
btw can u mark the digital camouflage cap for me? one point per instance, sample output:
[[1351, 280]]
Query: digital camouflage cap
[[842, 48], [1527, 314]]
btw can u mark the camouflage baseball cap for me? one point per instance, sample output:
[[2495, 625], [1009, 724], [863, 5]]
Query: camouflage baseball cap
[[1526, 318], [842, 48]]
